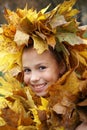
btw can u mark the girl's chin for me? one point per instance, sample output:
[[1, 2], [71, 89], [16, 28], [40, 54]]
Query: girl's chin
[[41, 93]]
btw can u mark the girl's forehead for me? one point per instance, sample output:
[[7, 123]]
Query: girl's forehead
[[31, 54]]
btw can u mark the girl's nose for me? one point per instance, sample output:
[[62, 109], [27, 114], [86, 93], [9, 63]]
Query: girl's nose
[[34, 77]]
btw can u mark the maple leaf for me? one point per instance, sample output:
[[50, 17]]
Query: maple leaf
[[9, 31], [16, 102], [13, 62], [39, 44], [11, 17], [21, 38], [71, 38], [66, 6]]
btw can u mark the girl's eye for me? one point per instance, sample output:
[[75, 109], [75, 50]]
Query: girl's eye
[[42, 67], [27, 70]]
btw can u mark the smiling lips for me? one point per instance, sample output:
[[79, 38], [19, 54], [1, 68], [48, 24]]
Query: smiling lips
[[39, 88]]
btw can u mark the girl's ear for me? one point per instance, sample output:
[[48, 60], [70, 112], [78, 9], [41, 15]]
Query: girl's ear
[[62, 68]]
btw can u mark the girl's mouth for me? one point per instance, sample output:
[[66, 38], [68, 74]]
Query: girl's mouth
[[39, 88]]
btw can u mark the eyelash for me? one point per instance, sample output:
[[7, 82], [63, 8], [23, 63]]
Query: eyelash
[[27, 70], [42, 67]]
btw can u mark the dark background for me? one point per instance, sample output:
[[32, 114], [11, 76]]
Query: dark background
[[39, 4]]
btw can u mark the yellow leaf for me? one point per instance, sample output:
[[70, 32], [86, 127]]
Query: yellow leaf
[[8, 61], [1, 39], [71, 13], [12, 17], [1, 30], [32, 15], [36, 117], [83, 53], [57, 20], [3, 102], [2, 122], [21, 38], [9, 30], [30, 100], [8, 84], [39, 44], [45, 9], [44, 104], [72, 83], [51, 40], [66, 6], [82, 59], [30, 127]]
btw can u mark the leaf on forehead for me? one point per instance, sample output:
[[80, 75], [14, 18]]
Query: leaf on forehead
[[39, 44], [21, 38], [41, 35]]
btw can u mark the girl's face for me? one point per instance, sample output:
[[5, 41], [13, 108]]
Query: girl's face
[[40, 70]]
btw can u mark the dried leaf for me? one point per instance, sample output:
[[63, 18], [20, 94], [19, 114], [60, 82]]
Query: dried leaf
[[39, 44], [21, 38], [57, 20], [51, 40], [44, 104], [71, 38], [66, 6]]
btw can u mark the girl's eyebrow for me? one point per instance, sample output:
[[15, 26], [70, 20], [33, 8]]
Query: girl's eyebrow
[[25, 67]]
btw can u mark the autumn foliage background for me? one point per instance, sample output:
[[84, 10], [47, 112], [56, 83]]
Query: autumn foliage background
[[39, 4], [65, 106]]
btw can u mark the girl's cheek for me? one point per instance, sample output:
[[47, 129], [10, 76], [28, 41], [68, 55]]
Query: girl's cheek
[[26, 80]]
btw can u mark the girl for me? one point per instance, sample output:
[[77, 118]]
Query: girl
[[41, 70]]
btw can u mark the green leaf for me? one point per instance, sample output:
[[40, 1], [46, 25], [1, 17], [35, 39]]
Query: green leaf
[[70, 38]]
